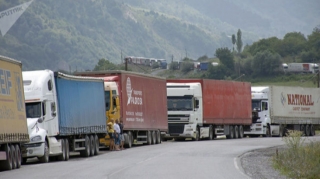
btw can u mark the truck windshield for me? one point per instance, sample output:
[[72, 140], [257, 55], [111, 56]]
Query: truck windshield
[[179, 103], [256, 105], [107, 99], [33, 110]]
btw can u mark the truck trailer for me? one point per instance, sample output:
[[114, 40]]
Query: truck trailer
[[65, 114], [13, 122], [204, 108], [139, 101], [280, 108]]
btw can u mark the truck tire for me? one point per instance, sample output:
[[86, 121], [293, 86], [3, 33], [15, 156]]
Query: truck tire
[[211, 133], [158, 137], [18, 155], [281, 132], [240, 131], [307, 130], [86, 152], [312, 131], [45, 157], [236, 132], [14, 157], [149, 138], [62, 157], [66, 144], [130, 140], [302, 129], [97, 143], [154, 137], [92, 145], [268, 132], [231, 133], [7, 164]]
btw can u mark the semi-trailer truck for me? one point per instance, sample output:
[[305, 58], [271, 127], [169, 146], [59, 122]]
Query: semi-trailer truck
[[65, 114], [280, 108], [13, 122], [139, 101], [204, 108]]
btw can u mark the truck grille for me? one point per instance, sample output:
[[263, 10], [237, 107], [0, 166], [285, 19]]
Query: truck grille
[[176, 128]]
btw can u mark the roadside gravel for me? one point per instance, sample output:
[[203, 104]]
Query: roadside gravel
[[257, 164]]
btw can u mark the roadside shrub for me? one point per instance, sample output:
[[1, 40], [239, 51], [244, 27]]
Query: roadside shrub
[[300, 160]]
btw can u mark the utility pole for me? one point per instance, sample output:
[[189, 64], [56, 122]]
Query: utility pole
[[126, 64], [318, 79]]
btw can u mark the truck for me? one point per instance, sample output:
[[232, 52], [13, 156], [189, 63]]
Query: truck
[[13, 122], [301, 68], [65, 113], [206, 108], [280, 108], [139, 101]]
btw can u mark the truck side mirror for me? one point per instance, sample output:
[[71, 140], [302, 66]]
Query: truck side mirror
[[197, 103]]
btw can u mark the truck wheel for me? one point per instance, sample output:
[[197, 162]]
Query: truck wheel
[[307, 130], [231, 133], [302, 129], [92, 145], [130, 140], [14, 157], [268, 132], [211, 133], [45, 157], [312, 131], [149, 138], [158, 137], [62, 157], [154, 137], [236, 132], [97, 143], [86, 152], [240, 131], [18, 155], [66, 144], [7, 164]]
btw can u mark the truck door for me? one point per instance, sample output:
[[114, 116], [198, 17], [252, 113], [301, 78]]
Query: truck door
[[264, 110]]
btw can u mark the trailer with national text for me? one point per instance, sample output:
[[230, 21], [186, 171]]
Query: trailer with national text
[[65, 114], [280, 108], [204, 108], [139, 101], [13, 122]]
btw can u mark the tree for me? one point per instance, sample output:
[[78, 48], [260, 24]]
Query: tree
[[217, 72], [233, 41], [225, 56], [293, 44], [104, 64], [266, 64], [239, 41]]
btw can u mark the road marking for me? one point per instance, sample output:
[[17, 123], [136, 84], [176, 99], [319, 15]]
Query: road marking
[[237, 167]]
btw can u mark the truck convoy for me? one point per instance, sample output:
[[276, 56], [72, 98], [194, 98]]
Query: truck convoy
[[281, 108], [64, 113], [142, 105], [203, 108], [13, 122]]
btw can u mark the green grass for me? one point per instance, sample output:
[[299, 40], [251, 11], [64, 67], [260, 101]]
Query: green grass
[[300, 160]]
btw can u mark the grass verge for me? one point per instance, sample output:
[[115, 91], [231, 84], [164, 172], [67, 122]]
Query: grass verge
[[300, 160]]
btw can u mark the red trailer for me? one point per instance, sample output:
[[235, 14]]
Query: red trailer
[[143, 104], [218, 108]]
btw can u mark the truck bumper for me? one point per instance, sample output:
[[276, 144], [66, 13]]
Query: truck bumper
[[188, 134], [256, 129], [33, 150]]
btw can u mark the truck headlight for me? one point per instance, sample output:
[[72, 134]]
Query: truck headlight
[[36, 138]]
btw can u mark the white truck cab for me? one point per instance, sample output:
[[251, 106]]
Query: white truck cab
[[40, 98], [184, 110]]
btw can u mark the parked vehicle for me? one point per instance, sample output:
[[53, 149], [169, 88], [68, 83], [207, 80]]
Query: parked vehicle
[[13, 122], [142, 107], [280, 108], [203, 108], [65, 113]]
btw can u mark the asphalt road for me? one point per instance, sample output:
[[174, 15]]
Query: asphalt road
[[183, 159]]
